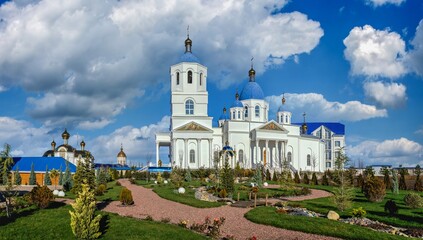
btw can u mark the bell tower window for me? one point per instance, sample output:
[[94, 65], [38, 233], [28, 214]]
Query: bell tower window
[[257, 109], [189, 107], [246, 112], [201, 79], [189, 77], [177, 78]]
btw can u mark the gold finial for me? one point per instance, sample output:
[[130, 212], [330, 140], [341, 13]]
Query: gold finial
[[188, 42], [252, 72], [188, 31], [237, 95], [283, 99]]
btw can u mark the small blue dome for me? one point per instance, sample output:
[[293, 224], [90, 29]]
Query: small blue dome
[[224, 117], [252, 91], [189, 57], [227, 148], [237, 103]]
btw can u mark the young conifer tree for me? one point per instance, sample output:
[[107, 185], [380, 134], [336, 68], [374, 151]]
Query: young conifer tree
[[84, 223], [32, 178], [18, 178], [47, 180]]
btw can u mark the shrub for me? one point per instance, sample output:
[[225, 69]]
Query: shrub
[[314, 179], [149, 218], [306, 180], [41, 196], [413, 200], [391, 207], [223, 193], [297, 178], [118, 183], [84, 223], [254, 189], [358, 212], [101, 189], [125, 197], [132, 180], [209, 228], [281, 211], [165, 220], [325, 180], [374, 189]]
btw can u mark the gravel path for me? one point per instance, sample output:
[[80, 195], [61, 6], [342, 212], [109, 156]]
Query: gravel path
[[148, 203]]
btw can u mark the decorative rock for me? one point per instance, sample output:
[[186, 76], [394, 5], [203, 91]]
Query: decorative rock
[[332, 215], [61, 194], [55, 192], [181, 190], [265, 184], [165, 181], [253, 184], [155, 182]]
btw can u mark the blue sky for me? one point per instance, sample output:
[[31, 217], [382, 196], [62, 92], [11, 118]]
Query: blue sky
[[101, 69]]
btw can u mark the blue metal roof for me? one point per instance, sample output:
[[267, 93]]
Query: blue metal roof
[[224, 117], [159, 169], [189, 57], [40, 164], [337, 128], [252, 90], [237, 103]]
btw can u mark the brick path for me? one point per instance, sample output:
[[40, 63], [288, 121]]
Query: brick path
[[148, 203]]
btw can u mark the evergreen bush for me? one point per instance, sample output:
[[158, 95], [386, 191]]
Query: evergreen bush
[[84, 174], [395, 184], [391, 207], [40, 196], [306, 180], [325, 180], [314, 179], [18, 178], [101, 189], [228, 182], [418, 184], [268, 175], [32, 178], [374, 189], [413, 200], [84, 223], [67, 181], [402, 172], [125, 197], [358, 212], [188, 177], [47, 180], [297, 177]]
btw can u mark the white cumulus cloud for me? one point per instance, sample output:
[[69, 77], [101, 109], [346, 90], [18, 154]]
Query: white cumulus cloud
[[87, 60], [386, 94], [415, 56], [396, 152], [378, 3], [320, 109], [375, 53]]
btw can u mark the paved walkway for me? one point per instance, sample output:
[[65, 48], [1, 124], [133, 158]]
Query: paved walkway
[[148, 203]]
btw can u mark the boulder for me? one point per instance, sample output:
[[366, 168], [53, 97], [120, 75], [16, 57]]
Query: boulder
[[181, 190], [56, 192], [332, 215], [61, 194], [265, 184], [165, 181]]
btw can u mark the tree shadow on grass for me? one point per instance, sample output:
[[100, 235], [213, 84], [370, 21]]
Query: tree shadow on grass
[[403, 217], [104, 224], [103, 204]]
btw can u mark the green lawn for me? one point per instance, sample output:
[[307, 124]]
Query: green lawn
[[168, 192], [321, 226], [406, 217], [112, 193], [54, 223]]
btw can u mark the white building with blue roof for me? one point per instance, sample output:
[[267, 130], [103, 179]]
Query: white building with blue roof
[[245, 129]]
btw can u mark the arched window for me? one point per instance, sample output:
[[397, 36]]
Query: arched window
[[257, 111], [286, 119], [289, 157], [201, 78], [233, 115], [241, 156], [189, 107], [191, 156], [189, 77], [177, 78], [308, 160], [246, 111], [239, 114], [281, 119]]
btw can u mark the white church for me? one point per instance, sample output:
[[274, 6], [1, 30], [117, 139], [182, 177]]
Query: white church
[[245, 129]]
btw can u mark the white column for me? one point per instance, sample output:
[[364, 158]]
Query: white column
[[278, 158], [157, 153], [210, 153], [199, 152], [172, 155], [267, 153], [257, 150], [186, 152]]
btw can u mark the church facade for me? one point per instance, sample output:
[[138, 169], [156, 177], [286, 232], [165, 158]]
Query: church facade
[[245, 129]]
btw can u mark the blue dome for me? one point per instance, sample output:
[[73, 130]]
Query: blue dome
[[252, 91], [228, 148], [224, 117], [237, 103], [189, 57]]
